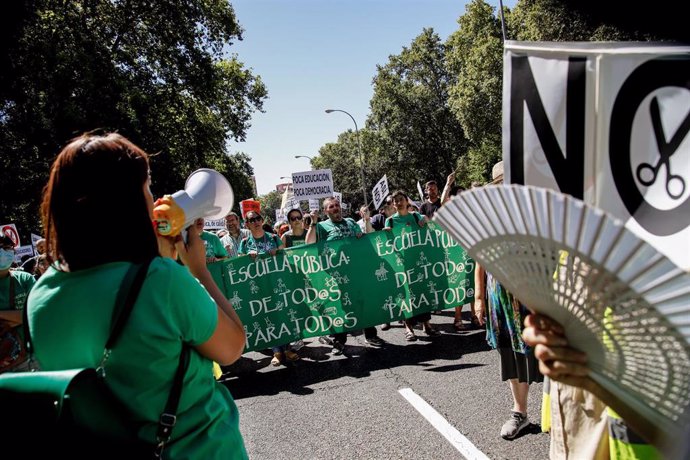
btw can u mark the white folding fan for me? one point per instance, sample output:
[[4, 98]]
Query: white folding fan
[[620, 301]]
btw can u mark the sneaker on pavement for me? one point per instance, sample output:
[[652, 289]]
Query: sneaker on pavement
[[326, 340], [337, 348], [515, 424], [297, 345], [277, 359], [375, 341], [291, 355], [385, 326]]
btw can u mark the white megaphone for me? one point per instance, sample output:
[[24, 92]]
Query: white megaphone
[[207, 193]]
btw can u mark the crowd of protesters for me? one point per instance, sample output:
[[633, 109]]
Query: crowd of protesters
[[60, 261]]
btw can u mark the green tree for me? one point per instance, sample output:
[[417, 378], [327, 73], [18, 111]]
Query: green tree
[[269, 203], [420, 135], [160, 73], [474, 55]]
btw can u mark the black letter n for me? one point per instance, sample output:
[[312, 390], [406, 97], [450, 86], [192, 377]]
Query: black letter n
[[568, 170]]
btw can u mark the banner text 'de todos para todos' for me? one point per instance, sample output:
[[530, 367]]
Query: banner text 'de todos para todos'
[[346, 285]]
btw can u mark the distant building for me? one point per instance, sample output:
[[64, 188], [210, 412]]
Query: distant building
[[280, 188]]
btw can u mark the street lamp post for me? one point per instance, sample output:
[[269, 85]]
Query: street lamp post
[[359, 148]]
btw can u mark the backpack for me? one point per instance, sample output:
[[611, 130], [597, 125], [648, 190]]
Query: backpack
[[73, 412]]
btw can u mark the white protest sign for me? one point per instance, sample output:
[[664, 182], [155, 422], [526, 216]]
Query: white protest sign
[[280, 216], [22, 251], [291, 203], [339, 197], [11, 231], [35, 238], [216, 224], [608, 124], [312, 184], [314, 205], [380, 191], [421, 192]]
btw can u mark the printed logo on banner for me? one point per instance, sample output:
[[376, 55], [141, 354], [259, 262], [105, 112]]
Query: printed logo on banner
[[11, 231], [662, 117]]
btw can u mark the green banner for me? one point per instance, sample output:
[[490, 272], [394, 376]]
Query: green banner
[[346, 285]]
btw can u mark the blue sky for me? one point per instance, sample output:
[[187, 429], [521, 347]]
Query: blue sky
[[319, 54]]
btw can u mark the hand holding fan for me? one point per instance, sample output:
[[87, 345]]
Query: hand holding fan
[[620, 301]]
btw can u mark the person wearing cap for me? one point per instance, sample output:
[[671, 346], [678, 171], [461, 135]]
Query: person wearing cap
[[14, 290]]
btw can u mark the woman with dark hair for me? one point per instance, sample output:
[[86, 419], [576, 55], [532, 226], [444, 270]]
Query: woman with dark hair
[[297, 235], [106, 179], [259, 243]]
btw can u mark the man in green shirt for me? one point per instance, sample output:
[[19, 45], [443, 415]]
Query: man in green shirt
[[214, 248], [14, 289], [336, 227]]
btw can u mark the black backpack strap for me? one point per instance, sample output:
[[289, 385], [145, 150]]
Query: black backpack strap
[[168, 418], [126, 297]]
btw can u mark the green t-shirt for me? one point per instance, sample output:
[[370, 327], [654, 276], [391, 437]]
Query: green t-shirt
[[293, 240], [260, 245], [23, 282], [331, 231], [214, 248], [408, 220], [69, 319]]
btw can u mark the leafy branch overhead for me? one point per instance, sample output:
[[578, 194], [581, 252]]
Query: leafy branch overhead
[[160, 73]]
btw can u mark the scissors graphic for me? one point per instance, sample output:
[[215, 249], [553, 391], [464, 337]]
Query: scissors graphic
[[646, 173]]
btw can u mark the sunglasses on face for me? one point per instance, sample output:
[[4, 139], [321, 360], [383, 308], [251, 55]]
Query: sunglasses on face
[[252, 220], [295, 218]]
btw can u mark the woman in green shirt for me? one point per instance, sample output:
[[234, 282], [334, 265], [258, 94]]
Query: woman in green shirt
[[404, 218], [259, 243], [106, 178]]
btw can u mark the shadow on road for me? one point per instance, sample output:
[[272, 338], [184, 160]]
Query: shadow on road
[[243, 378]]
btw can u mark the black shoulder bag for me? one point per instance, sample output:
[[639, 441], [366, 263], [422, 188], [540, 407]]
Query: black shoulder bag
[[73, 412]]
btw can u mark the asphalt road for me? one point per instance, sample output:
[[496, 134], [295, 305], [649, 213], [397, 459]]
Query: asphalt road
[[345, 407]]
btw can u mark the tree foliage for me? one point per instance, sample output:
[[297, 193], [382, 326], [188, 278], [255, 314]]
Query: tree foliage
[[420, 134], [160, 73]]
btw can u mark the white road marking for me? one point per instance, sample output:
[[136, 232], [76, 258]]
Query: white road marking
[[457, 440]]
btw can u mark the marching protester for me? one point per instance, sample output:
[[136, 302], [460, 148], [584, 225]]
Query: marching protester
[[41, 266], [260, 242], [433, 202], [403, 218], [214, 248], [70, 308], [378, 222], [15, 286], [336, 227], [231, 240], [503, 316], [296, 236]]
